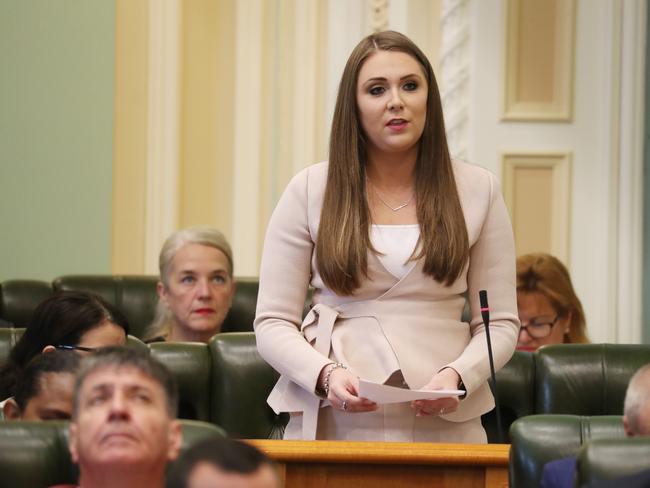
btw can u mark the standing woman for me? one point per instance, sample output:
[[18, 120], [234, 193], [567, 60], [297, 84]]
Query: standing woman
[[390, 233]]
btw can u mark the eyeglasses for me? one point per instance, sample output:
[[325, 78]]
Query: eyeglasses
[[67, 347], [541, 329]]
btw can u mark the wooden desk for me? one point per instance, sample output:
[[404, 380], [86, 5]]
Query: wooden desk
[[339, 464]]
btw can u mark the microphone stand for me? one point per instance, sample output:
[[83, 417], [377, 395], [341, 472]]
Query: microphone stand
[[485, 313]]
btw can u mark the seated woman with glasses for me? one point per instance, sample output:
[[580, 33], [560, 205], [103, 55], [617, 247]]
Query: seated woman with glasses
[[71, 320], [549, 310]]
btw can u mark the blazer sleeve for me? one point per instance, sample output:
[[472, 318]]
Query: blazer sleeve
[[492, 267], [284, 279]]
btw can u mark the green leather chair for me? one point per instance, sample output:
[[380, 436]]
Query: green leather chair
[[8, 339], [191, 365], [516, 390], [585, 379], [241, 382], [538, 439], [35, 454], [18, 299], [135, 296], [605, 459]]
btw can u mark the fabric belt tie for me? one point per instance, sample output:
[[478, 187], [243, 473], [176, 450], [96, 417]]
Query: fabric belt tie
[[326, 318]]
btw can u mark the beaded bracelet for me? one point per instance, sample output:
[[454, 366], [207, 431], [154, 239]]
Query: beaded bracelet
[[326, 380]]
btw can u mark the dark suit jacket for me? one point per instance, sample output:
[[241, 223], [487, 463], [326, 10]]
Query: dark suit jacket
[[560, 473]]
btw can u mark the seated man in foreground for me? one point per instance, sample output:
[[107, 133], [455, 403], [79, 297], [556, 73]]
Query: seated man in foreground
[[123, 430], [636, 422], [44, 390], [223, 463]]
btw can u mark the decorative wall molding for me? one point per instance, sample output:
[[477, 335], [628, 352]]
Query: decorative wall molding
[[539, 60], [532, 207], [248, 125], [379, 15], [454, 73], [626, 131], [161, 215]]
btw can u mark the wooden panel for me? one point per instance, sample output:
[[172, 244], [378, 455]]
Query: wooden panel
[[537, 193], [539, 55], [387, 476], [340, 464]]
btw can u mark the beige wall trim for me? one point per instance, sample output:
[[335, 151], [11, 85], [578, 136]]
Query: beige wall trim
[[454, 74], [537, 191], [130, 135], [379, 13], [247, 118], [163, 123], [308, 86], [626, 126], [539, 60]]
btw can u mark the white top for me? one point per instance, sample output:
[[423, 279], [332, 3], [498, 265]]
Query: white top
[[396, 244]]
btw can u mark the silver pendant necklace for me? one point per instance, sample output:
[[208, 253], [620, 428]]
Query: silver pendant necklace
[[394, 209]]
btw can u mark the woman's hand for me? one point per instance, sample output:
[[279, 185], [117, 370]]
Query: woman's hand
[[447, 379], [344, 391]]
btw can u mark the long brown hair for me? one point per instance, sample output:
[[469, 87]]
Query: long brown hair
[[344, 231], [545, 274]]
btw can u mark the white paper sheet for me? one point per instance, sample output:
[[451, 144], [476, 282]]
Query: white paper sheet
[[381, 394]]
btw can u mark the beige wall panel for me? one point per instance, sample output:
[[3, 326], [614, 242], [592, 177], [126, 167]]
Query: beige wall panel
[[424, 28], [130, 143], [206, 148], [536, 57], [539, 48], [532, 221], [536, 188]]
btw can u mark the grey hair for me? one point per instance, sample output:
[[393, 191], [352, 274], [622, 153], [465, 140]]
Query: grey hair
[[637, 397], [117, 357], [199, 234]]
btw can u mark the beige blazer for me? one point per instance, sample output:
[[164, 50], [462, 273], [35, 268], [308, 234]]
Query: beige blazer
[[412, 324]]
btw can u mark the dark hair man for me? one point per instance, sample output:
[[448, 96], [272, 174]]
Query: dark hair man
[[221, 463], [124, 428], [45, 387]]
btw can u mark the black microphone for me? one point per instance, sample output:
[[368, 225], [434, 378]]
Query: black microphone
[[485, 313]]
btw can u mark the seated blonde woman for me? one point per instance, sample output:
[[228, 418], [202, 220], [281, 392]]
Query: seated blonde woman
[[549, 310], [196, 286]]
